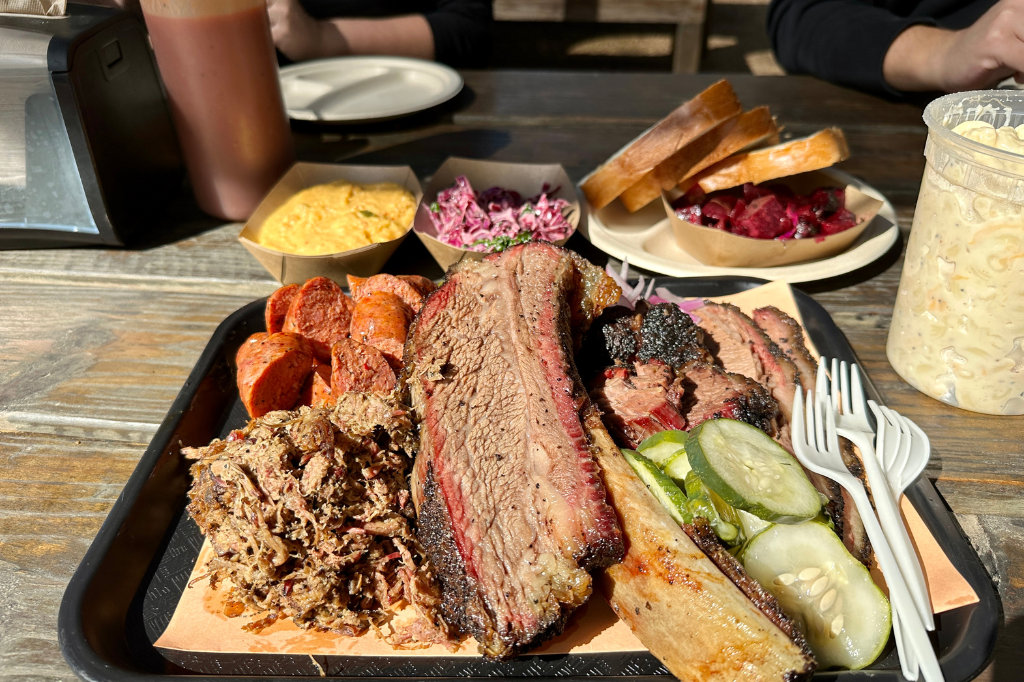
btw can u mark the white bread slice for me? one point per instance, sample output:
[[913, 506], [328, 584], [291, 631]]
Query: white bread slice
[[820, 150], [750, 128], [684, 125]]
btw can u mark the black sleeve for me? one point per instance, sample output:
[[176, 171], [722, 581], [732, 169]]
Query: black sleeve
[[842, 41], [462, 32]]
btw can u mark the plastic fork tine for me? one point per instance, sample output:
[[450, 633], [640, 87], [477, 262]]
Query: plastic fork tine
[[857, 391], [819, 425], [893, 438], [906, 441], [821, 384], [836, 397], [844, 388], [799, 431], [831, 436], [880, 423]]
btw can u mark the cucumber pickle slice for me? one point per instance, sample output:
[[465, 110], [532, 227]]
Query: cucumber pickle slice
[[660, 447], [677, 467], [829, 594], [705, 503], [752, 472], [661, 486]]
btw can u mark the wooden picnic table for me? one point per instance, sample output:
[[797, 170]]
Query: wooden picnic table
[[95, 344]]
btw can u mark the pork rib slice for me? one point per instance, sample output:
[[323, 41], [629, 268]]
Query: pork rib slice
[[511, 505], [789, 337]]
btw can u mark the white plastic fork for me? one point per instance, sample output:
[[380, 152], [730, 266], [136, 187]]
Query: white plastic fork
[[816, 444], [907, 458], [847, 394]]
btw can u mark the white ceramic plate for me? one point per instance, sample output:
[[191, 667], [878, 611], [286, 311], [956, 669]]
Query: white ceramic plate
[[361, 89], [646, 239]]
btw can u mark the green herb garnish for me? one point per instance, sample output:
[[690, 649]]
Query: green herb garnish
[[526, 209], [502, 242], [435, 207], [367, 214]]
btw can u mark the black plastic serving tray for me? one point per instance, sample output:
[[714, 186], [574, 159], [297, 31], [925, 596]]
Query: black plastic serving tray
[[122, 596]]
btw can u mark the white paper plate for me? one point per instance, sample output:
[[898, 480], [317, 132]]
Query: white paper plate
[[646, 239], [359, 89]]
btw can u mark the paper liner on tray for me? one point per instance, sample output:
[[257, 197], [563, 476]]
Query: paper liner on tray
[[289, 268], [526, 178], [712, 246], [200, 624]]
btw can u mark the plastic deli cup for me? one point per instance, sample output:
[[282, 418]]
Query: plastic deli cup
[[218, 64], [957, 330]]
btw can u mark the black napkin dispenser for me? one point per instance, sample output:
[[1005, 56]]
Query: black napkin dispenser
[[88, 152]]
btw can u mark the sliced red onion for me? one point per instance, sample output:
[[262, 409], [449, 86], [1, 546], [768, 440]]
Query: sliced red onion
[[630, 295], [687, 305]]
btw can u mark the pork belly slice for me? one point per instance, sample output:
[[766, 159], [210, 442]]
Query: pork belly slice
[[512, 509], [680, 604]]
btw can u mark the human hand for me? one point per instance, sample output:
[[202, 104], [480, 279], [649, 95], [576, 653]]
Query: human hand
[[990, 50], [977, 57], [298, 35]]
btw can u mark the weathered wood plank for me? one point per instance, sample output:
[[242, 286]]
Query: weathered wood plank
[[98, 361]]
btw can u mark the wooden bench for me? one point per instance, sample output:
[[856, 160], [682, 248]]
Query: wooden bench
[[686, 15]]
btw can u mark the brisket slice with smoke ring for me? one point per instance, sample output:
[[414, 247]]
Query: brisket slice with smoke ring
[[639, 401], [512, 508]]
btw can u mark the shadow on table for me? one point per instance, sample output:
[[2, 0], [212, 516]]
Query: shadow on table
[[874, 269], [327, 143], [1008, 659], [425, 154]]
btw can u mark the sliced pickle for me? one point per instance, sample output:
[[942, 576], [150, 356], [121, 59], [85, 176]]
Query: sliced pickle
[[752, 472], [829, 594], [661, 486], [660, 447]]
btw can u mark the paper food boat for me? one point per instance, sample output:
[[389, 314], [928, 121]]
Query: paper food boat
[[712, 246], [526, 178], [289, 268]]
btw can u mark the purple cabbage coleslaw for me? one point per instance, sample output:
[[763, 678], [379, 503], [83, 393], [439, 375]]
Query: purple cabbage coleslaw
[[496, 218]]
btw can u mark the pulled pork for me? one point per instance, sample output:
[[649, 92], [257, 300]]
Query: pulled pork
[[310, 515]]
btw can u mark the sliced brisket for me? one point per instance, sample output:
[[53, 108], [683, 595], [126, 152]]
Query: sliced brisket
[[710, 392], [638, 402], [743, 347], [659, 332], [789, 336], [512, 509]]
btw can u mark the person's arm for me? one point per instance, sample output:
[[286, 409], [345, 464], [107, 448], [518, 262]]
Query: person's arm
[[301, 37], [456, 33], [925, 58], [842, 41]]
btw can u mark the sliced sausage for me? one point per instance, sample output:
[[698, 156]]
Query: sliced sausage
[[321, 313], [354, 283], [316, 392], [277, 307], [422, 284], [381, 319], [358, 367], [271, 371], [382, 282]]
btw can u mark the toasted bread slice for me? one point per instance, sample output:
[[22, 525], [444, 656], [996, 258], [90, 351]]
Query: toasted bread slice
[[752, 127], [684, 125], [820, 150]]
